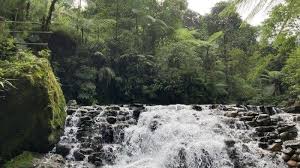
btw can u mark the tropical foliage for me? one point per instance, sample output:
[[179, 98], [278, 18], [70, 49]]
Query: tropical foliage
[[159, 51]]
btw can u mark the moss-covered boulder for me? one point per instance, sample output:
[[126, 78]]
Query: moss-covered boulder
[[32, 109], [24, 160]]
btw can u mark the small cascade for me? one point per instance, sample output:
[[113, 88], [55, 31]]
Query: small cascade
[[94, 134], [178, 136]]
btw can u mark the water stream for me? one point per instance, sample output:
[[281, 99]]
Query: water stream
[[174, 136]]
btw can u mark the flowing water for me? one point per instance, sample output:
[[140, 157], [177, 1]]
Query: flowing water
[[174, 136]]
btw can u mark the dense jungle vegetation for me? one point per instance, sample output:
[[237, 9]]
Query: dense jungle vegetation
[[160, 52]]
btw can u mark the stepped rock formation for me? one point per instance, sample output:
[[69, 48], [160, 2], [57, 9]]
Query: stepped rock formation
[[179, 136]]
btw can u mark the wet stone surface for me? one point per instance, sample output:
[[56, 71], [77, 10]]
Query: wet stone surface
[[94, 133], [274, 130], [197, 136]]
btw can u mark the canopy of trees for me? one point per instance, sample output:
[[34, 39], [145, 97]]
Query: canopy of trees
[[148, 51]]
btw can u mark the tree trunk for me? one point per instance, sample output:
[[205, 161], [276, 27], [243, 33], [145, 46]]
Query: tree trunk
[[117, 21], [27, 10], [49, 17]]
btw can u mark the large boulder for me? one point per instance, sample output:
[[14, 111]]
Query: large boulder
[[32, 111]]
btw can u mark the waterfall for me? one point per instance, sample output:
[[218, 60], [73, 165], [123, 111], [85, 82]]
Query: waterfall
[[177, 136], [173, 136]]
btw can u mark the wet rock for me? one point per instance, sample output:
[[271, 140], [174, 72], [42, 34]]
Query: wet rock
[[136, 114], [252, 123], [292, 163], [247, 118], [153, 125], [68, 121], [63, 149], [78, 155], [294, 144], [121, 118], [270, 110], [288, 151], [88, 108], [136, 105], [263, 145], [85, 118], [262, 109], [95, 158], [287, 128], [182, 158], [264, 139], [295, 157], [85, 144], [70, 111], [229, 143], [263, 116], [85, 121], [273, 135], [288, 135], [197, 108], [232, 114], [112, 108], [276, 147], [86, 151], [293, 109], [124, 113], [98, 163], [111, 113], [279, 141], [97, 147], [226, 108], [99, 109], [213, 106], [72, 103], [264, 122], [93, 113], [111, 120], [285, 157], [265, 129], [108, 135], [250, 113], [132, 121]]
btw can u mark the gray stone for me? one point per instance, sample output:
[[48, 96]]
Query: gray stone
[[288, 135], [285, 157], [111, 119], [63, 149], [72, 103], [265, 129], [247, 118], [293, 109], [197, 108], [78, 155], [288, 151], [294, 144]]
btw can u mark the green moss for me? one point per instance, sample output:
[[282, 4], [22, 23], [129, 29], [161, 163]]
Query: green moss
[[33, 113], [25, 160]]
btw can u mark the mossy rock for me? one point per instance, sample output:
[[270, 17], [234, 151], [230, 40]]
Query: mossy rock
[[32, 111], [24, 160]]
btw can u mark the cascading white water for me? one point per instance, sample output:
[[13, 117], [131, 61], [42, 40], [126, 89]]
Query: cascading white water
[[177, 136]]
